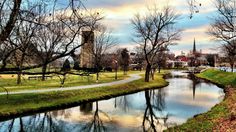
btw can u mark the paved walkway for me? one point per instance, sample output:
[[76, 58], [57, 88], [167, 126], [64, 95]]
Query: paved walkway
[[132, 77]]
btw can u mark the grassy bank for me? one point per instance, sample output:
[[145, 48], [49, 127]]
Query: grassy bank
[[9, 81], [222, 116], [219, 77], [17, 105]]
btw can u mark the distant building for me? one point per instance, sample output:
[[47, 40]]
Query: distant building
[[193, 59], [86, 56], [197, 58], [181, 61]]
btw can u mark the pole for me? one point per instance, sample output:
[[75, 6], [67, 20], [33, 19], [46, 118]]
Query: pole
[[234, 15], [234, 21], [116, 70]]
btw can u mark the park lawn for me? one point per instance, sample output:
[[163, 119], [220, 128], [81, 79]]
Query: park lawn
[[219, 118], [9, 81], [23, 104]]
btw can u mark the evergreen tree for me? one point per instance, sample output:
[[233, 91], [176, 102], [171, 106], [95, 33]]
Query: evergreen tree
[[66, 66], [124, 60]]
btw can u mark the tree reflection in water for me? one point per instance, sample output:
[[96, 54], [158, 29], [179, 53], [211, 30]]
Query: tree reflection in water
[[86, 108], [37, 123], [96, 124], [122, 102], [153, 114]]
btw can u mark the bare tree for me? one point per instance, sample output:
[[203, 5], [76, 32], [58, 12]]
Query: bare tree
[[161, 59], [229, 51], [21, 38], [158, 62], [103, 42], [154, 31], [139, 57], [223, 29], [108, 61], [58, 36]]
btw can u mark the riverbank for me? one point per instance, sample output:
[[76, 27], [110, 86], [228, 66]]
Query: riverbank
[[221, 117], [25, 104]]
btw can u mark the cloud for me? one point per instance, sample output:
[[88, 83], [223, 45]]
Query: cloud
[[119, 12]]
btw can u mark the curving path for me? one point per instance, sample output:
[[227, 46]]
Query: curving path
[[132, 77]]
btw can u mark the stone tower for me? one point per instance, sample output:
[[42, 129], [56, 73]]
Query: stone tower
[[86, 56]]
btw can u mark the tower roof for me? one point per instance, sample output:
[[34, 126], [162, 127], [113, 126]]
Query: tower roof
[[194, 46]]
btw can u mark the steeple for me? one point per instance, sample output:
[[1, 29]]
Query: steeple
[[194, 46]]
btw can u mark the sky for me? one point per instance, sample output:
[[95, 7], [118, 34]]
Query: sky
[[118, 14]]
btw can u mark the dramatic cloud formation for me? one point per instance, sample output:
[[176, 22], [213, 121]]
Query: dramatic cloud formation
[[119, 12]]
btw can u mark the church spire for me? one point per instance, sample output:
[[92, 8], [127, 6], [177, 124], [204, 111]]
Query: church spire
[[194, 46]]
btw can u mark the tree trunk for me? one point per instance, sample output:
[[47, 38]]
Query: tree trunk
[[21, 125], [97, 76], [63, 80], [20, 69], [232, 67], [124, 69], [44, 69], [159, 69], [19, 76], [147, 73], [97, 71], [153, 73]]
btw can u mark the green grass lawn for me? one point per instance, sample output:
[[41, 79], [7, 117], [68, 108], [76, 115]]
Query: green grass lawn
[[9, 81], [219, 77], [212, 120], [17, 105]]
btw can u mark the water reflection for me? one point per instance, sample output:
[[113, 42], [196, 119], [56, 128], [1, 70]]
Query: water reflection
[[38, 123], [153, 110], [153, 114], [195, 82], [122, 102], [96, 124], [86, 108]]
